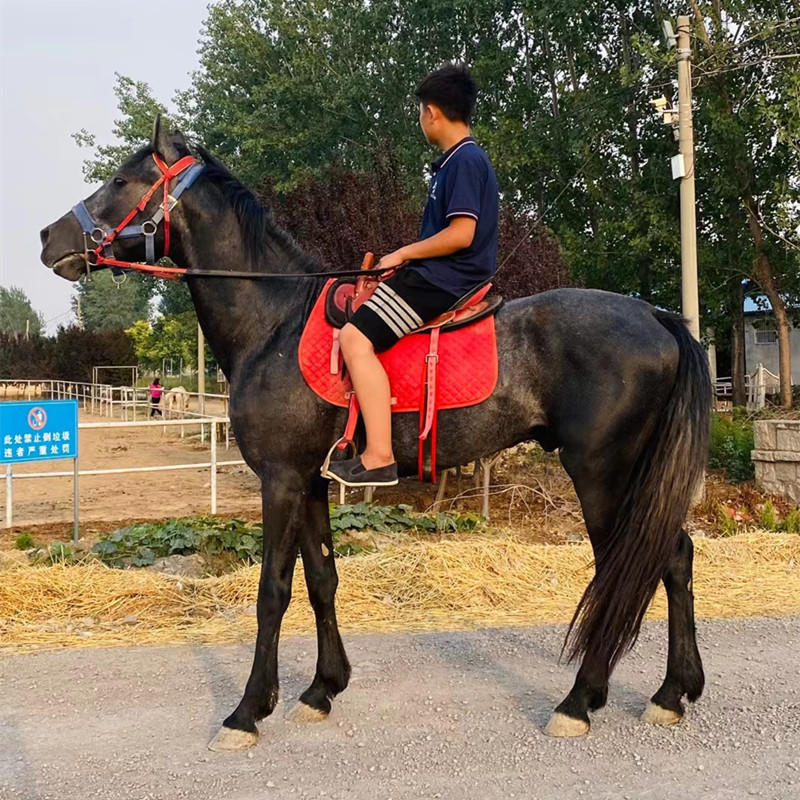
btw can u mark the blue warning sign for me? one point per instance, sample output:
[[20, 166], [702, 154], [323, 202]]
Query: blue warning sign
[[40, 431]]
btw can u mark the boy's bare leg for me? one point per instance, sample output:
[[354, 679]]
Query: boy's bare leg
[[374, 395]]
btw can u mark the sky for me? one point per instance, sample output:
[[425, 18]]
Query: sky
[[57, 65]]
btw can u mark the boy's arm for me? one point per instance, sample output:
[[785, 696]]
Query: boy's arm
[[456, 236]]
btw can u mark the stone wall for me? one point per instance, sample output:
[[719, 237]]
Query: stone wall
[[777, 457]]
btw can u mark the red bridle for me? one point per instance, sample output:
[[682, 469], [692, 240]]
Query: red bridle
[[103, 254]]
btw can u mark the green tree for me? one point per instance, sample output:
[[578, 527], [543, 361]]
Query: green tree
[[287, 88], [17, 315], [105, 304], [133, 130], [173, 337]]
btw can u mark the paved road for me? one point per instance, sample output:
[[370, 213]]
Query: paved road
[[426, 716]]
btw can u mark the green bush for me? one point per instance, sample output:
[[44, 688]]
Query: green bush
[[768, 518], [24, 541], [791, 522], [731, 444]]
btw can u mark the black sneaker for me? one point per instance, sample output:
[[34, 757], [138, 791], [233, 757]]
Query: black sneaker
[[353, 473]]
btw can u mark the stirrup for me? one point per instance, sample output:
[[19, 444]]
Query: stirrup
[[339, 444]]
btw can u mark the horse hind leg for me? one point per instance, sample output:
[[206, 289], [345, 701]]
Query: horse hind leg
[[598, 491], [684, 666], [333, 669]]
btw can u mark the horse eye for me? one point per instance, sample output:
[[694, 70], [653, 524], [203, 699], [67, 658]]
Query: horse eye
[[119, 181]]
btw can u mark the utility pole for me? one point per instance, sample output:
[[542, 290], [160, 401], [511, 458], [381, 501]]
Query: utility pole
[[689, 294], [201, 370], [79, 315], [27, 329]]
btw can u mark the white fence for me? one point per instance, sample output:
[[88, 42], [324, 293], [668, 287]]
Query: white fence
[[757, 386], [124, 401]]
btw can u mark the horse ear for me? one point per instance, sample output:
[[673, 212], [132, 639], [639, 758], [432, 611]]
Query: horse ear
[[170, 146]]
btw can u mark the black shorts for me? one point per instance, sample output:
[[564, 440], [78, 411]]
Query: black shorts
[[399, 305]]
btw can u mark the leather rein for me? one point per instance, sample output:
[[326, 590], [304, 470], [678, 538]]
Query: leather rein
[[98, 241]]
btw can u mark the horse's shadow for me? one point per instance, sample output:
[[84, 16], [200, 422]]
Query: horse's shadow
[[477, 653], [223, 682]]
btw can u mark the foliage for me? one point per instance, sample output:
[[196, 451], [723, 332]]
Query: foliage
[[106, 305], [768, 519], [24, 541], [747, 133], [17, 316], [134, 129], [168, 337], [287, 91], [791, 522], [139, 545], [392, 519], [732, 441], [340, 213], [69, 355], [727, 524], [59, 553]]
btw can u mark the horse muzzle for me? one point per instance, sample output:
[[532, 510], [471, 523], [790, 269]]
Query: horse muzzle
[[63, 248]]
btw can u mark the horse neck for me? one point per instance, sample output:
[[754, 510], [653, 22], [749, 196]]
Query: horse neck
[[240, 316]]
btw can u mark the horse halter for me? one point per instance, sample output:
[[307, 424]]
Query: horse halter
[[103, 253]]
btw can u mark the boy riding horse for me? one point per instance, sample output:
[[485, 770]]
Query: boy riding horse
[[456, 253]]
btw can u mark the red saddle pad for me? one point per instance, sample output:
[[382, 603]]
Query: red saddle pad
[[467, 370]]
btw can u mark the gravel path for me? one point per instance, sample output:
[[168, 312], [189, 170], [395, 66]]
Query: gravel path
[[426, 716]]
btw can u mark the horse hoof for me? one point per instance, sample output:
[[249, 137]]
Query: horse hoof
[[230, 739], [655, 715], [303, 713], [561, 726]]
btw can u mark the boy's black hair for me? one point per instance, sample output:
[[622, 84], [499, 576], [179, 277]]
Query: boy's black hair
[[452, 89]]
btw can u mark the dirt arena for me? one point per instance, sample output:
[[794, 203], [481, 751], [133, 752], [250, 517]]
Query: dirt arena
[[136, 495]]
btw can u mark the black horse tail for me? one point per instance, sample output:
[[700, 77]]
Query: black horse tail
[[634, 558]]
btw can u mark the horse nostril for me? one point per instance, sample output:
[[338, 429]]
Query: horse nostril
[[44, 235]]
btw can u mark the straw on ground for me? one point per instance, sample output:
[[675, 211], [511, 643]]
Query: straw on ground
[[447, 585]]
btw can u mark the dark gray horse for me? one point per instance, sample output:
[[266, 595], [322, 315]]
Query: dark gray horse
[[620, 388]]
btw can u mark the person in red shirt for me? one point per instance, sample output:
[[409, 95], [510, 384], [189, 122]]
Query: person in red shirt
[[156, 390]]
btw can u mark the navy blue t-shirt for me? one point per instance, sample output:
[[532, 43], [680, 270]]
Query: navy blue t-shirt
[[462, 185]]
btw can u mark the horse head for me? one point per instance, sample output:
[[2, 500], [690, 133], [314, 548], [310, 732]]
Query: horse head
[[128, 218]]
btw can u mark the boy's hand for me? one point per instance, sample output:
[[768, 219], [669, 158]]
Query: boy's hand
[[392, 260]]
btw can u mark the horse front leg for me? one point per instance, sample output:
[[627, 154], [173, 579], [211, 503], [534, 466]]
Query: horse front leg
[[282, 500], [333, 669]]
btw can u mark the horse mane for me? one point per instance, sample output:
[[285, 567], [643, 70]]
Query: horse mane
[[259, 230]]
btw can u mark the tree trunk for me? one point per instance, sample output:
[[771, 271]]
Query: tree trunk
[[551, 74], [573, 76], [766, 280], [737, 343]]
